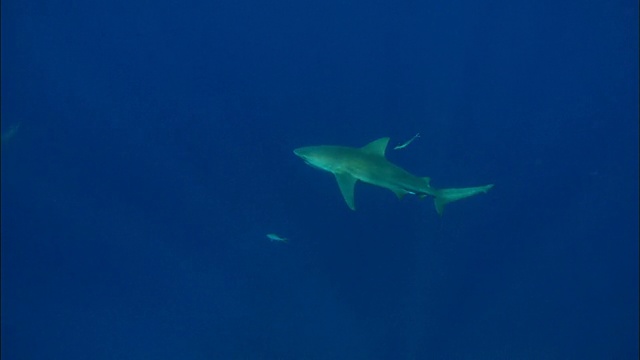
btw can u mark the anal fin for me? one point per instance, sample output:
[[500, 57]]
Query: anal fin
[[400, 193]]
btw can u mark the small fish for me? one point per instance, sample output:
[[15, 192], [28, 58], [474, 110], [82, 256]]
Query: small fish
[[406, 143], [11, 132], [276, 237]]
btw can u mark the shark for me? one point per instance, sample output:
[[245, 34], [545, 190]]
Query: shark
[[368, 164]]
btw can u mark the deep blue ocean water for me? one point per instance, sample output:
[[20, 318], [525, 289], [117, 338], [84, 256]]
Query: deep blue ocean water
[[152, 152]]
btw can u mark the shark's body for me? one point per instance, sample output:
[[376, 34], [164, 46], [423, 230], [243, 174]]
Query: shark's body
[[368, 164]]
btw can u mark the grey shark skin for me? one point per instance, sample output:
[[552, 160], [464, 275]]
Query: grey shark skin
[[368, 164]]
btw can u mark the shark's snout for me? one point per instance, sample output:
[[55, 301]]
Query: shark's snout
[[301, 153], [306, 155]]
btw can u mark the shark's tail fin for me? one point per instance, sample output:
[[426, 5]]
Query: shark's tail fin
[[445, 196]]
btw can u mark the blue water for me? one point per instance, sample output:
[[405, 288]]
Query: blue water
[[153, 153]]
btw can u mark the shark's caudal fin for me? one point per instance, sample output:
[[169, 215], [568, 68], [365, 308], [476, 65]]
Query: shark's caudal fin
[[445, 196]]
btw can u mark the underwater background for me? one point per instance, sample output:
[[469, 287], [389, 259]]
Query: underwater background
[[147, 151]]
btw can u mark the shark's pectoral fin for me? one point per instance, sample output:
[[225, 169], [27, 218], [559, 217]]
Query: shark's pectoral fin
[[347, 184]]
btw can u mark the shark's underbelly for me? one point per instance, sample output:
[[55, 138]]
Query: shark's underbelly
[[395, 179]]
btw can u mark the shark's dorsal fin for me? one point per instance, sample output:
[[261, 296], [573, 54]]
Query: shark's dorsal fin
[[376, 147], [347, 184]]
